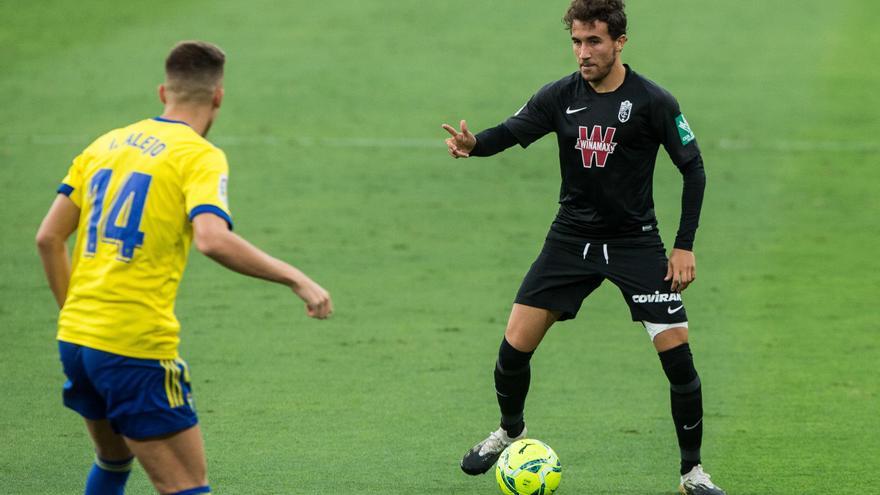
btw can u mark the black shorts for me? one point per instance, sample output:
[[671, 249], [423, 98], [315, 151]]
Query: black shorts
[[565, 273]]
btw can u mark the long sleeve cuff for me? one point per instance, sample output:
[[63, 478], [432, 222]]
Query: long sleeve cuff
[[493, 140]]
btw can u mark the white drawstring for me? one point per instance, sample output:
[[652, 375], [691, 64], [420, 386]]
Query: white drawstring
[[604, 251]]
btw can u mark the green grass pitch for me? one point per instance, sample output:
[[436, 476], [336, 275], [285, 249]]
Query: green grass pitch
[[332, 128]]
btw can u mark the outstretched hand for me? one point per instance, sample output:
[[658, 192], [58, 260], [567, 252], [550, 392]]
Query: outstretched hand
[[317, 300], [461, 143], [681, 269]]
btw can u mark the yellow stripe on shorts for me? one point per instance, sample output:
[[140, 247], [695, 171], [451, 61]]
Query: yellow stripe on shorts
[[185, 366], [173, 389]]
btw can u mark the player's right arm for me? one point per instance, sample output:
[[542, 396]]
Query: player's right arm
[[214, 239], [487, 143], [59, 224], [461, 143], [527, 125]]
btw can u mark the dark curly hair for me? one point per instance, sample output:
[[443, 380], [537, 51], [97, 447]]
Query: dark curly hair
[[608, 11]]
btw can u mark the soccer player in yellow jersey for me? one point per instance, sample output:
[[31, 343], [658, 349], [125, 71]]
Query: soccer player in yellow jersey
[[137, 197]]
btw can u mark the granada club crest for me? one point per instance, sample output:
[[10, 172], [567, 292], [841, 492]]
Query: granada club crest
[[595, 146], [626, 107]]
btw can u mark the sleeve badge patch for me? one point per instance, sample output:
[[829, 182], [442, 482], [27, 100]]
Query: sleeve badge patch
[[684, 130]]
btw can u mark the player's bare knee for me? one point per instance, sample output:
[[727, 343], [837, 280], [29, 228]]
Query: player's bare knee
[[113, 452], [667, 335], [181, 483], [108, 444], [527, 327], [112, 448], [516, 337], [524, 339]]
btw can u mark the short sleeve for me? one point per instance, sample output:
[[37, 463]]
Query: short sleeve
[[673, 130], [534, 120], [72, 183], [205, 182]]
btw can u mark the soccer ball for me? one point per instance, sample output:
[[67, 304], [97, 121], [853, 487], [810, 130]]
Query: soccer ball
[[528, 467]]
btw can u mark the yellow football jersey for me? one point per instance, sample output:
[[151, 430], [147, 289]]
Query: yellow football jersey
[[138, 188]]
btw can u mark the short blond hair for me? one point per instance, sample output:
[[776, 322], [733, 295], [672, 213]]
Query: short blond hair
[[193, 70]]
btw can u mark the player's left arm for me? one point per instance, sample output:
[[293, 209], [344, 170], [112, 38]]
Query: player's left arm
[[674, 131], [60, 222], [682, 266], [214, 239]]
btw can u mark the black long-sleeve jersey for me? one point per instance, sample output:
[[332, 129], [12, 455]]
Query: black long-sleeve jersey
[[608, 145]]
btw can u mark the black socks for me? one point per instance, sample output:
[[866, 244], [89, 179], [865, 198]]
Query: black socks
[[687, 403], [513, 374], [512, 377]]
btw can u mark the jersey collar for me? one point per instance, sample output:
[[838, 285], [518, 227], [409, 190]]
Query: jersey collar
[[160, 119], [593, 92]]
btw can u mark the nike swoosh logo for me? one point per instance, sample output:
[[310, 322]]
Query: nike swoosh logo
[[689, 428], [569, 110], [676, 310]]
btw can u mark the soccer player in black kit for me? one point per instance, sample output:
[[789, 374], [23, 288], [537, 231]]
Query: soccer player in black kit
[[609, 123]]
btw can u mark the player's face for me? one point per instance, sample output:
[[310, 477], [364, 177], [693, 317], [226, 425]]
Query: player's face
[[595, 50]]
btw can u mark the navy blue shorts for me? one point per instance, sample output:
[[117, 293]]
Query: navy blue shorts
[[141, 398]]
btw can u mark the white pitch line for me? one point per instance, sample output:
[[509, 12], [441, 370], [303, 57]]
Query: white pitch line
[[231, 140], [798, 146], [247, 140]]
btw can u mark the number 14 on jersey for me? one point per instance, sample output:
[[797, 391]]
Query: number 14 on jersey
[[121, 226]]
